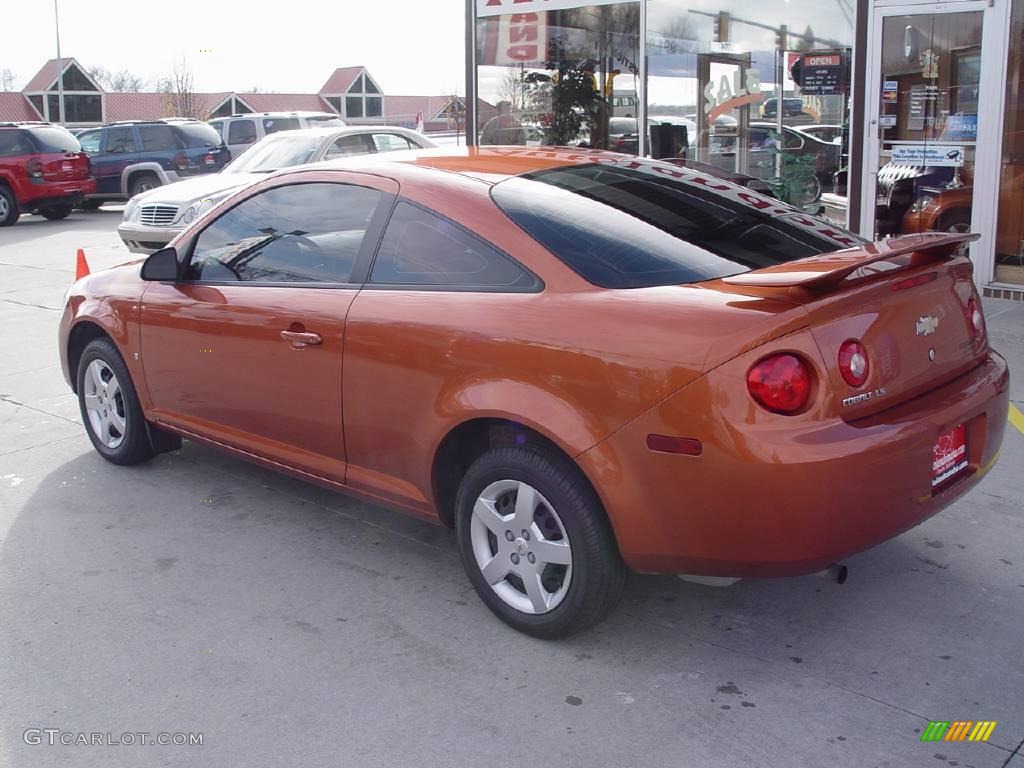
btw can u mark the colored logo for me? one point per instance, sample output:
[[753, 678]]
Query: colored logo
[[958, 730]]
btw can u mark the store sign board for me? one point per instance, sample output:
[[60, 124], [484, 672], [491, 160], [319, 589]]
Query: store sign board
[[500, 7], [822, 73], [887, 121], [928, 154], [522, 39]]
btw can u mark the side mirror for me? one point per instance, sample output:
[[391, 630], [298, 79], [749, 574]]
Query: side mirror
[[161, 266]]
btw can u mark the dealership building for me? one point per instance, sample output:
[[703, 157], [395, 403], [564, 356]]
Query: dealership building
[[887, 117]]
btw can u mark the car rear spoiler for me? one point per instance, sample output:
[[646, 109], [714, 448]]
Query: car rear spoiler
[[827, 270]]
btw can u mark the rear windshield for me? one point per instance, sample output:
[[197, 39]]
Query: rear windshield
[[195, 135], [55, 139], [634, 224]]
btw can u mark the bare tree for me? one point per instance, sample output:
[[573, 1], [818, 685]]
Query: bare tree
[[455, 112], [678, 30], [120, 81], [179, 91], [512, 89], [7, 79]]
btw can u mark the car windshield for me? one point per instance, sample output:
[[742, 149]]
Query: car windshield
[[273, 152], [197, 135], [637, 224], [55, 139]]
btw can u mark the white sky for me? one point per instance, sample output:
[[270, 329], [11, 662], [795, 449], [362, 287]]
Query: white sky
[[290, 46]]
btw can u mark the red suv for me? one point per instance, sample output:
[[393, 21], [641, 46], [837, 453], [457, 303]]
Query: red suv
[[42, 170]]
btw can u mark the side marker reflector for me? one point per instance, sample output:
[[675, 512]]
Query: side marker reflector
[[687, 446]]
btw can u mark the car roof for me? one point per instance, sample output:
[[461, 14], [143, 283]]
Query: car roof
[[486, 164]]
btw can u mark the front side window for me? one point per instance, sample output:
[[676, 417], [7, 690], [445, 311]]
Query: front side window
[[241, 132], [120, 141], [346, 146], [90, 141], [422, 248], [275, 124], [301, 233], [637, 224]]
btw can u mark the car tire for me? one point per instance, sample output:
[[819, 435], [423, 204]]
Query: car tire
[[110, 406], [956, 221], [56, 212], [567, 574], [143, 182], [9, 211]]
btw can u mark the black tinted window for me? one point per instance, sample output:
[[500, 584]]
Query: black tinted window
[[157, 137], [241, 132], [422, 248], [120, 140], [55, 139], [275, 124], [15, 142], [197, 135], [303, 233], [633, 223]]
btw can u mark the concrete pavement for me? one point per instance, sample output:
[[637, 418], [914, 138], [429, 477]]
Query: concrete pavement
[[293, 626]]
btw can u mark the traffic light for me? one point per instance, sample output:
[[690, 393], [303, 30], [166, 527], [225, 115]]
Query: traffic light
[[722, 27], [782, 38]]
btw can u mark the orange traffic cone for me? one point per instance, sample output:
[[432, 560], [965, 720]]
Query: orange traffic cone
[[81, 265]]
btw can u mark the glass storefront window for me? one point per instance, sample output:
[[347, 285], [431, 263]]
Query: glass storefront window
[[1010, 221], [563, 77], [762, 91]]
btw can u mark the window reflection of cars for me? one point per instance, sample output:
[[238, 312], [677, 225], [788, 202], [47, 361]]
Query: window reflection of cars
[[153, 219], [762, 144], [832, 133]]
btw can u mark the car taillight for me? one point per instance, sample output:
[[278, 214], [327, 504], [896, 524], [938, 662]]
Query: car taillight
[[181, 162], [975, 319], [853, 362], [781, 383], [34, 168]]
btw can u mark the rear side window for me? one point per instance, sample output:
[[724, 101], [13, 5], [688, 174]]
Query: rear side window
[[218, 126], [157, 137], [241, 132], [55, 139], [120, 141], [300, 233], [275, 124], [636, 224], [14, 143], [390, 142], [422, 248], [197, 135]]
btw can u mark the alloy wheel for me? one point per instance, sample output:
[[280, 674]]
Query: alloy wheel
[[5, 208], [104, 404], [521, 546]]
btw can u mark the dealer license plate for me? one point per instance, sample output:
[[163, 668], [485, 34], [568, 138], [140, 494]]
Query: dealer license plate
[[950, 455]]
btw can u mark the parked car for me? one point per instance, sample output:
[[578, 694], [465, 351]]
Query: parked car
[[792, 110], [582, 362], [762, 145], [242, 131], [129, 158], [42, 170], [832, 133], [154, 218]]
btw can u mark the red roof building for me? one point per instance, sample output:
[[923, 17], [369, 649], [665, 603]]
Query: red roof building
[[350, 92]]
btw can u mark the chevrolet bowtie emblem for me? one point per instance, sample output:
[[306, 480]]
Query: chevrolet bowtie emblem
[[927, 325]]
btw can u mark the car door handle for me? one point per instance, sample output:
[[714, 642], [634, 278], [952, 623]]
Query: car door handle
[[301, 338]]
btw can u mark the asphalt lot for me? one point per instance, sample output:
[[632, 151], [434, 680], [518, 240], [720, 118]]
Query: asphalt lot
[[293, 626]]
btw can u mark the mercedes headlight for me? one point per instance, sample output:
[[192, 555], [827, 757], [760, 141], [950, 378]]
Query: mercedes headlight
[[136, 212], [129, 210], [189, 215]]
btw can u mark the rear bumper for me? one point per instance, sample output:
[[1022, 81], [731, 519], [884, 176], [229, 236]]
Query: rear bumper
[[777, 497], [142, 238], [49, 193]]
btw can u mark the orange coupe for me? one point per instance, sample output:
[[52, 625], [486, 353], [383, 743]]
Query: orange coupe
[[583, 362]]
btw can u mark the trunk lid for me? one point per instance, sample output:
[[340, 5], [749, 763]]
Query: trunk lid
[[904, 299], [65, 166]]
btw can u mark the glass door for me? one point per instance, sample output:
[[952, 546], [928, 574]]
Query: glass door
[[926, 122]]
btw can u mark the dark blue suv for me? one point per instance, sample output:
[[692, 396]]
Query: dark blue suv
[[132, 157]]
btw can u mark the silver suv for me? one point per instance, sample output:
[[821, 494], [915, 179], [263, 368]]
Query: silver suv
[[242, 131]]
